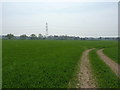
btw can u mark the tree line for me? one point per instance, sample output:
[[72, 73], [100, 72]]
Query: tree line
[[54, 37], [23, 36]]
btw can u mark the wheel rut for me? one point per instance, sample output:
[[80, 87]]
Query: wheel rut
[[85, 79], [113, 65]]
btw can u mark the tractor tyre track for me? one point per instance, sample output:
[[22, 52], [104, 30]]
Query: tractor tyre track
[[85, 79], [113, 65]]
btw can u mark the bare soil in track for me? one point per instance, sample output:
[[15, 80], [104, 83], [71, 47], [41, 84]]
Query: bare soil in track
[[113, 65], [85, 77]]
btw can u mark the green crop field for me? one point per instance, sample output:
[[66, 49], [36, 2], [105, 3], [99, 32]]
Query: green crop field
[[46, 63]]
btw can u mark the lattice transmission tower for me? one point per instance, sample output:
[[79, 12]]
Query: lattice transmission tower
[[46, 29]]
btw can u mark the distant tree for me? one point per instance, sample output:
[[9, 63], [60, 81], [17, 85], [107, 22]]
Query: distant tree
[[77, 38], [40, 36], [100, 38], [33, 36], [10, 36], [24, 36]]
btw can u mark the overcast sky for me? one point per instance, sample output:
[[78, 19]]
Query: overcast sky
[[64, 18]]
